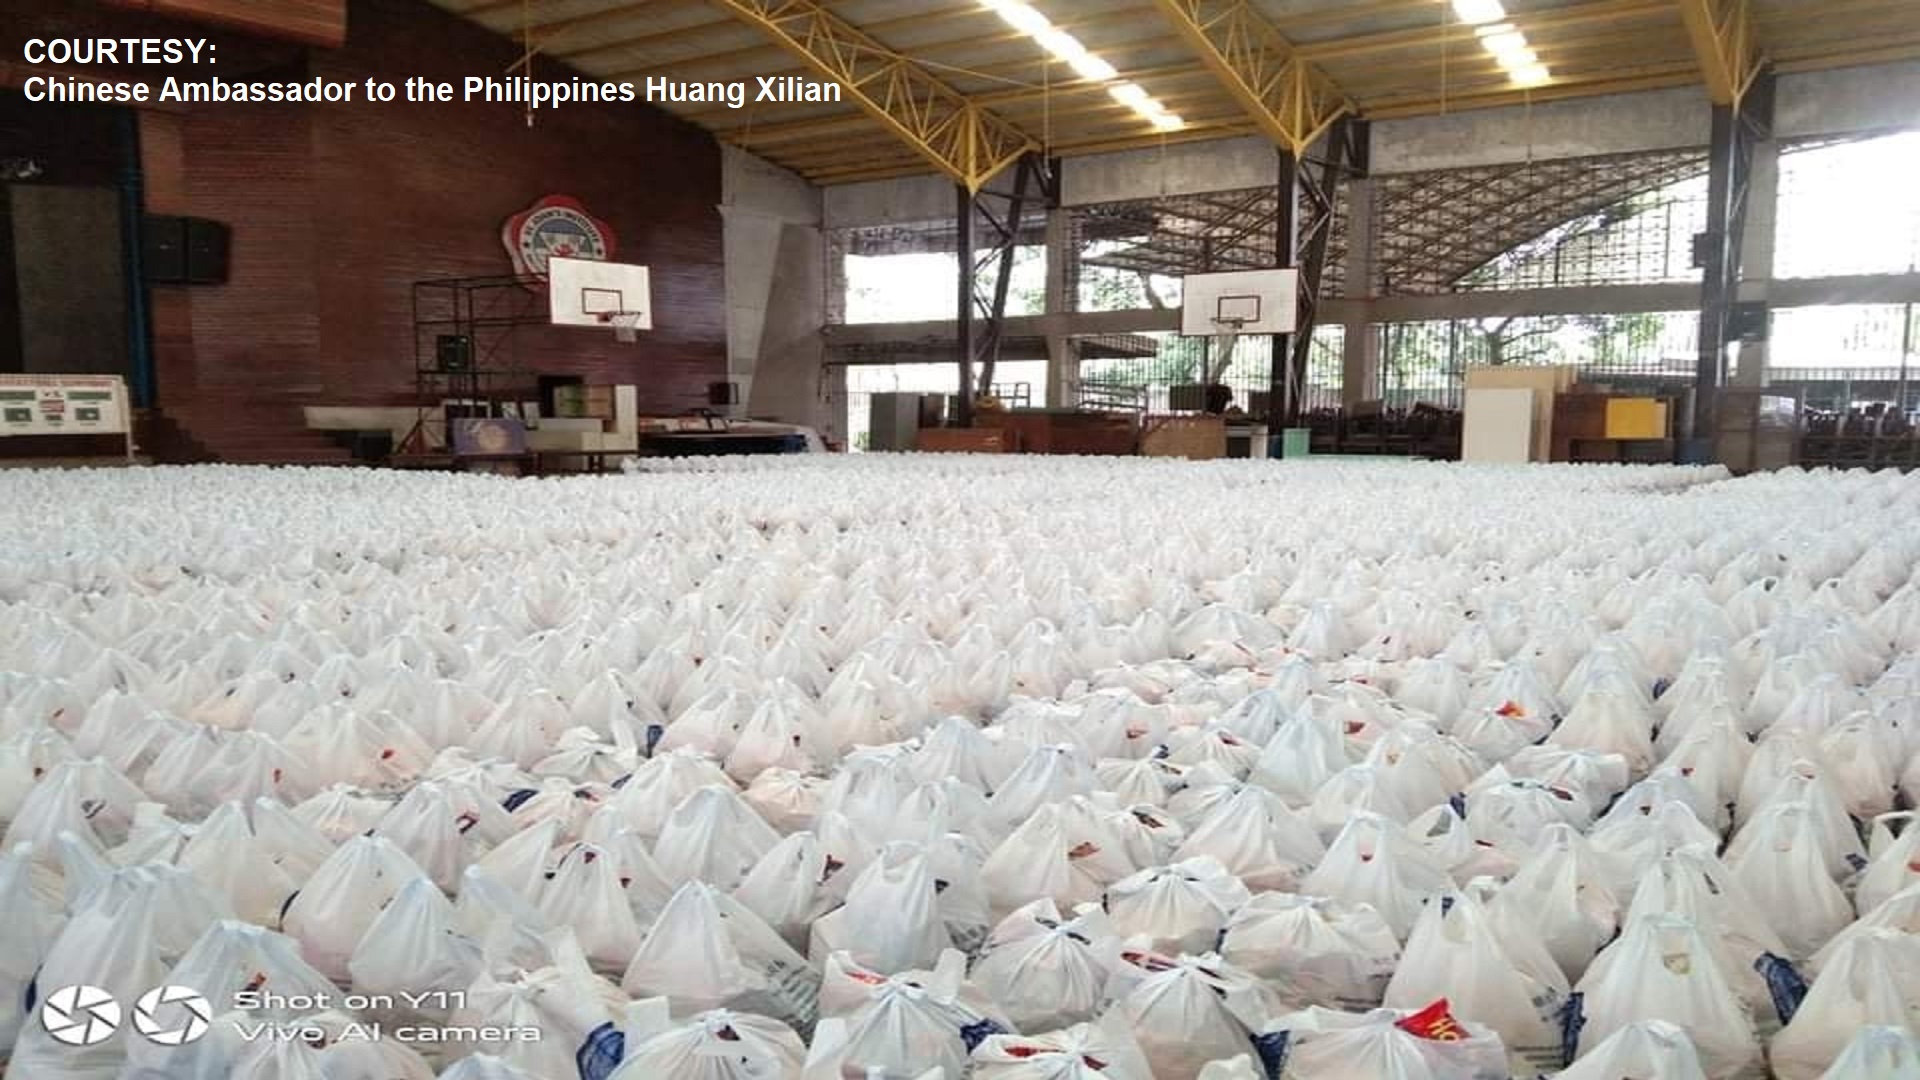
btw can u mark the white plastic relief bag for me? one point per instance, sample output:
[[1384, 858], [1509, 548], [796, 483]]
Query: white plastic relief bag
[[1328, 953], [1190, 1010], [891, 920], [1662, 968], [413, 949], [1103, 1048], [1646, 1050], [718, 1045], [343, 898], [1178, 908], [1873, 979], [1878, 1053], [1384, 1044], [707, 951], [900, 1025], [1048, 970], [1498, 975]]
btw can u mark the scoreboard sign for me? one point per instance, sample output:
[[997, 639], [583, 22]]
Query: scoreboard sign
[[65, 405]]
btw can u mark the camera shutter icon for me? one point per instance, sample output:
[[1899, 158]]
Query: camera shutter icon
[[80, 1015], [172, 1015]]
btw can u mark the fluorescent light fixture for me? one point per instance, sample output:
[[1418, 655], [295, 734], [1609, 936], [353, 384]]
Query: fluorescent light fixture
[[1518, 61], [1064, 46], [1089, 66], [1494, 28], [1021, 17], [1067, 49], [1512, 41], [1537, 75], [1475, 12]]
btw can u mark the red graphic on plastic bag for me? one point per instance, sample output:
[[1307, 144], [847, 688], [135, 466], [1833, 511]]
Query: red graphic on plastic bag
[[1434, 1022]]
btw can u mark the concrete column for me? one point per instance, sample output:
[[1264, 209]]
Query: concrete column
[[1063, 358], [1752, 362], [1360, 368]]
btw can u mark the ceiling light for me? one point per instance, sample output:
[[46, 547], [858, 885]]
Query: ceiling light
[[1089, 66], [1166, 121], [1518, 61], [1494, 28], [1127, 93], [1021, 17], [1064, 46], [1512, 41], [1537, 75], [1475, 12]]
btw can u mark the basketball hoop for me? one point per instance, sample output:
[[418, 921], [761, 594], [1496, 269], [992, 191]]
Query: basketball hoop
[[626, 324], [1226, 333]]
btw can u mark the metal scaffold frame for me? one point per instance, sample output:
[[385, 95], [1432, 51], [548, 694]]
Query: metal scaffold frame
[[989, 227], [1303, 230]]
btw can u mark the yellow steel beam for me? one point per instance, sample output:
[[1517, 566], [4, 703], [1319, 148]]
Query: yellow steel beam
[[1724, 41], [1287, 97], [955, 134], [1605, 12], [1656, 77]]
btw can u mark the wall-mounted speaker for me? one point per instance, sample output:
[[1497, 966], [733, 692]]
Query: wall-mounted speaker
[[1750, 321], [453, 352], [723, 393], [163, 249], [207, 243], [183, 250]]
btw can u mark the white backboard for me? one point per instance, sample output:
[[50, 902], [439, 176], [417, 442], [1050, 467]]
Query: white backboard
[[583, 292], [1264, 301]]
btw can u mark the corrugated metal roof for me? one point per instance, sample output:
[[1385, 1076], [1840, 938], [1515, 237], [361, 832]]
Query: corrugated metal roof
[[1392, 57]]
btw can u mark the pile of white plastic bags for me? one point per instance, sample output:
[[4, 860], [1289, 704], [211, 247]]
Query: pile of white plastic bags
[[941, 767]]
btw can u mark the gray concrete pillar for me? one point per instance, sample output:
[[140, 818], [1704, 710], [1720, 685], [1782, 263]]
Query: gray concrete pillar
[[1360, 367], [1751, 360], [1063, 358]]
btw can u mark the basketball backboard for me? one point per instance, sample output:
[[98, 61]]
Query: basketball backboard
[[587, 292], [1246, 301]]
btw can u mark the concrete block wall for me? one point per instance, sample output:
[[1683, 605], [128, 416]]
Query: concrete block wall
[[776, 291]]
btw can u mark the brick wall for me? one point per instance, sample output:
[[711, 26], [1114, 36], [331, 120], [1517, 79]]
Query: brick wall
[[337, 209]]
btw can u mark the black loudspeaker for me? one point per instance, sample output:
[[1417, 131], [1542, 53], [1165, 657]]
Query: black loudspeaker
[[163, 249], [207, 243], [1750, 321], [183, 250], [453, 352], [723, 393]]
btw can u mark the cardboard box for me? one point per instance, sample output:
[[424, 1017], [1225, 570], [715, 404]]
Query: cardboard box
[[598, 402], [1546, 382], [1636, 418], [962, 441], [1198, 438]]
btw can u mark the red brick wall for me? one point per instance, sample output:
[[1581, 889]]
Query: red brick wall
[[337, 209]]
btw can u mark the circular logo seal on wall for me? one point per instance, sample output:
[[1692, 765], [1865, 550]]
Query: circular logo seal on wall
[[556, 225]]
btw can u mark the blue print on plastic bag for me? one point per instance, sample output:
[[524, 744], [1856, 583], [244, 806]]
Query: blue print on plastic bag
[[1272, 1050], [976, 1033], [1784, 982], [1573, 1017], [516, 799], [601, 1053]]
